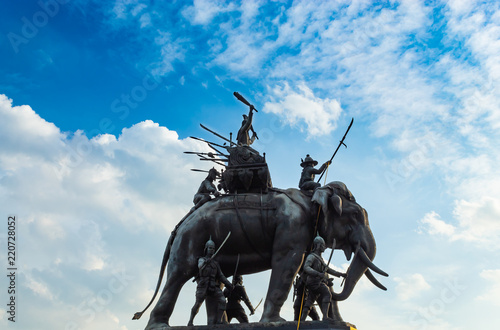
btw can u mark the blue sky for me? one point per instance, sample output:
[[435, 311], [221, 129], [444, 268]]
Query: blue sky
[[98, 100]]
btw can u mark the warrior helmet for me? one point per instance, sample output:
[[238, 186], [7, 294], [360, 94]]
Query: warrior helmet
[[308, 160], [213, 173], [208, 244], [318, 240], [238, 279]]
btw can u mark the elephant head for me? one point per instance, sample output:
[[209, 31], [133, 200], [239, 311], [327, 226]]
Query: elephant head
[[346, 221]]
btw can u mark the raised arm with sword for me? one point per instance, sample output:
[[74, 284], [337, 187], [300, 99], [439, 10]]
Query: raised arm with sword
[[246, 126]]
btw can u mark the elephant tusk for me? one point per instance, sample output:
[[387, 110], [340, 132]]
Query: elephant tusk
[[370, 264], [358, 245], [374, 280], [347, 251]]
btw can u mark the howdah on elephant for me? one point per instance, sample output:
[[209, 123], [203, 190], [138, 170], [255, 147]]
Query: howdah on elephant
[[268, 231]]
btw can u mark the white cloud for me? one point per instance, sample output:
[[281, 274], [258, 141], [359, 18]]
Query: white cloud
[[202, 12], [433, 224], [319, 115], [171, 50], [122, 8], [84, 205], [145, 20], [411, 286], [492, 295], [39, 288], [477, 222], [479, 219]]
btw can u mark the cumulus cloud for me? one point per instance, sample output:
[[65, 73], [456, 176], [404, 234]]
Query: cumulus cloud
[[84, 205], [302, 106], [435, 226], [411, 286], [492, 295], [475, 222]]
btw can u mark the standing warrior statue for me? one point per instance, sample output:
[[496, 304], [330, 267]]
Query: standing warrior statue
[[234, 298], [209, 278], [317, 279], [206, 188], [246, 125], [307, 177]]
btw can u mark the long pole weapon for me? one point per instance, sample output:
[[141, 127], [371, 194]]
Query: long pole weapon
[[236, 269], [217, 134], [341, 143], [331, 254], [209, 143]]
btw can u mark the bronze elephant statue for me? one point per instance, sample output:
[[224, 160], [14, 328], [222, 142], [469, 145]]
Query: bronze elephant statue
[[268, 231]]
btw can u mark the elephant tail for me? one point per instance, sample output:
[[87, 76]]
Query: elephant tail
[[166, 255]]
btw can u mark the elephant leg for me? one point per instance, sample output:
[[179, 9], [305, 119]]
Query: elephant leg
[[334, 310], [284, 269], [160, 315]]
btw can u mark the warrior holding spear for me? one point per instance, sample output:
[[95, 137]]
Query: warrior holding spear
[[307, 178]]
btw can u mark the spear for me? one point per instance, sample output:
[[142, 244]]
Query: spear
[[341, 143], [210, 144], [217, 134], [209, 154]]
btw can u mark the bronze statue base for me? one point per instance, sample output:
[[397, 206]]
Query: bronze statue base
[[305, 325]]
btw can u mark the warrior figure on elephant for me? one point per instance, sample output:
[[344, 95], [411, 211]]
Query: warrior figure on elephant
[[308, 172], [206, 189], [243, 137]]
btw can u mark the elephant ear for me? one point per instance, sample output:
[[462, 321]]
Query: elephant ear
[[321, 196], [337, 203]]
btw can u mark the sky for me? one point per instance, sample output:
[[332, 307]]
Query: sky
[[98, 100]]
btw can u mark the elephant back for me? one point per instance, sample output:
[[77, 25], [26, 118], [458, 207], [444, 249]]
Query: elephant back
[[255, 201]]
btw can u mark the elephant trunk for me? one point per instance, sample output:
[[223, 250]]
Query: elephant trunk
[[365, 252]]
